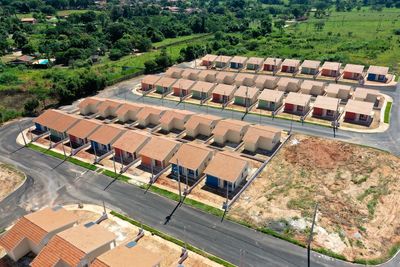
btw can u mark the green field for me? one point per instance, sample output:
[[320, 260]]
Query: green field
[[59, 13]]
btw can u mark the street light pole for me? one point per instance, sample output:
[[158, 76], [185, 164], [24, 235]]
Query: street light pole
[[311, 235]]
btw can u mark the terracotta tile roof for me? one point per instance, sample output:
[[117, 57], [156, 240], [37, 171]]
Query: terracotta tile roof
[[109, 104], [165, 81], [170, 115], [191, 155], [363, 92], [147, 111], [264, 78], [47, 117], [246, 92], [271, 61], [271, 95], [150, 79], [204, 73], [334, 88], [173, 70], [188, 72], [84, 128], [308, 84], [223, 74], [63, 122], [131, 141], [378, 70], [354, 68], [229, 125], [224, 59], [209, 57], [297, 99], [159, 148], [239, 59], [129, 107], [255, 132], [242, 76], [331, 65], [196, 120], [312, 64], [326, 102], [106, 134], [255, 60], [291, 62], [224, 89], [226, 166], [359, 107], [184, 84], [284, 81], [200, 86], [89, 101], [122, 256]]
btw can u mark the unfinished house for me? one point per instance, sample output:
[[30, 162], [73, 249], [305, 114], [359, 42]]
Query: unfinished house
[[128, 111], [238, 62], [254, 63], [367, 95], [270, 99], [33, 231], [290, 65], [157, 153], [149, 81], [296, 103], [108, 108], [208, 60], [202, 90], [287, 85], [126, 147], [331, 69], [272, 64], [222, 62], [223, 93], [89, 105], [340, 91], [353, 72], [104, 136], [226, 77], [76, 246], [208, 76], [246, 96], [59, 127], [377, 74], [79, 133], [190, 74], [174, 120], [191, 160], [326, 107], [260, 137], [310, 67], [359, 112], [226, 171], [174, 72], [229, 130], [182, 87], [150, 116], [314, 88], [201, 125], [245, 79], [266, 82], [43, 121], [164, 85]]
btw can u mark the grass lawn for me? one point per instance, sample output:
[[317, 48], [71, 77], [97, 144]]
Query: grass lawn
[[387, 112], [170, 41]]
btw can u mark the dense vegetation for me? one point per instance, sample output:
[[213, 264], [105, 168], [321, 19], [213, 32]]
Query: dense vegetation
[[97, 44]]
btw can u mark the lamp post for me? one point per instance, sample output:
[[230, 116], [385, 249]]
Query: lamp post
[[311, 235]]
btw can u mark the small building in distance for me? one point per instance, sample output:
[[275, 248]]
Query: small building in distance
[[290, 65], [238, 62], [246, 96], [208, 76], [157, 153], [272, 64], [201, 124], [202, 90], [226, 77], [223, 93], [245, 79], [340, 91], [150, 116], [260, 137], [128, 112], [326, 107], [61, 124], [266, 81], [297, 103], [222, 62], [182, 87], [29, 20], [89, 105], [368, 95], [353, 72], [310, 67], [108, 108], [43, 120], [164, 85], [128, 145], [331, 69], [174, 120], [270, 99], [208, 60], [174, 72], [314, 88], [149, 81], [190, 74], [104, 136], [254, 63], [79, 133], [229, 130], [377, 73], [359, 112], [286, 84]]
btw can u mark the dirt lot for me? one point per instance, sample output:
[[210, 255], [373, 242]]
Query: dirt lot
[[10, 179], [356, 188]]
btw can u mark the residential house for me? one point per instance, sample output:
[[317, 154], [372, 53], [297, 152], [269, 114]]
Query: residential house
[[76, 246], [222, 62], [290, 65], [310, 67], [261, 137], [245, 79], [340, 91], [175, 120], [270, 99], [29, 20], [104, 136], [314, 88], [43, 120], [191, 74], [359, 112], [297, 103], [127, 254], [254, 63], [326, 107], [128, 111], [367, 95], [157, 153], [226, 171], [127, 146], [201, 125], [377, 73], [150, 115], [33, 231], [208, 60], [182, 87], [226, 77], [246, 96], [59, 126], [23, 60], [353, 72], [286, 84], [272, 64], [108, 108], [223, 93], [149, 81], [266, 81], [79, 133], [174, 72], [229, 130], [238, 62], [208, 76], [89, 105], [191, 160], [331, 69], [202, 90], [164, 85]]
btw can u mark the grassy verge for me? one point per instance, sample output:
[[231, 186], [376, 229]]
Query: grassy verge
[[116, 176], [387, 112], [172, 239], [392, 252]]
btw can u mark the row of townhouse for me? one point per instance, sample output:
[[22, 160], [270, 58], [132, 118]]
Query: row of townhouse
[[56, 239], [307, 67]]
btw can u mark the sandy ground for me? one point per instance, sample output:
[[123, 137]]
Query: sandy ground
[[10, 179], [356, 188]]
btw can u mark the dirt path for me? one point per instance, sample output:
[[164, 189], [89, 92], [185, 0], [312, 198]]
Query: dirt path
[[10, 180]]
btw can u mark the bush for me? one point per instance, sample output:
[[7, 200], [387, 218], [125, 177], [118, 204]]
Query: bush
[[30, 106], [8, 77]]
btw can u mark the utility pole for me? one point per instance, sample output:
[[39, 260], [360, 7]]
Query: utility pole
[[95, 153], [20, 129], [115, 168], [179, 181], [311, 235], [62, 144]]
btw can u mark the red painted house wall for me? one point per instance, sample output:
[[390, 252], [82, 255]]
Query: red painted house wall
[[146, 161], [317, 111], [216, 98], [267, 67], [118, 152], [285, 68], [177, 92], [350, 116], [145, 86], [289, 107]]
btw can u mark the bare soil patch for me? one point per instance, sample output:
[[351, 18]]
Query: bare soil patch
[[10, 179], [357, 189]]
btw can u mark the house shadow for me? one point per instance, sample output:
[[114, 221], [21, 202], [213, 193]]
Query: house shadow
[[190, 181], [222, 191], [198, 137]]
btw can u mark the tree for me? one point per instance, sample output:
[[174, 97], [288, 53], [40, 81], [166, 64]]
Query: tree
[[266, 26], [319, 25], [144, 45], [163, 60], [20, 39], [30, 106], [116, 54], [279, 24], [150, 66]]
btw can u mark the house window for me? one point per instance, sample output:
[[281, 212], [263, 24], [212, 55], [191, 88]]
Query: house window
[[300, 108], [329, 112], [363, 117]]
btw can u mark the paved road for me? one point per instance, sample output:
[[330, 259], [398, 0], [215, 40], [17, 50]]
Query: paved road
[[58, 182]]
